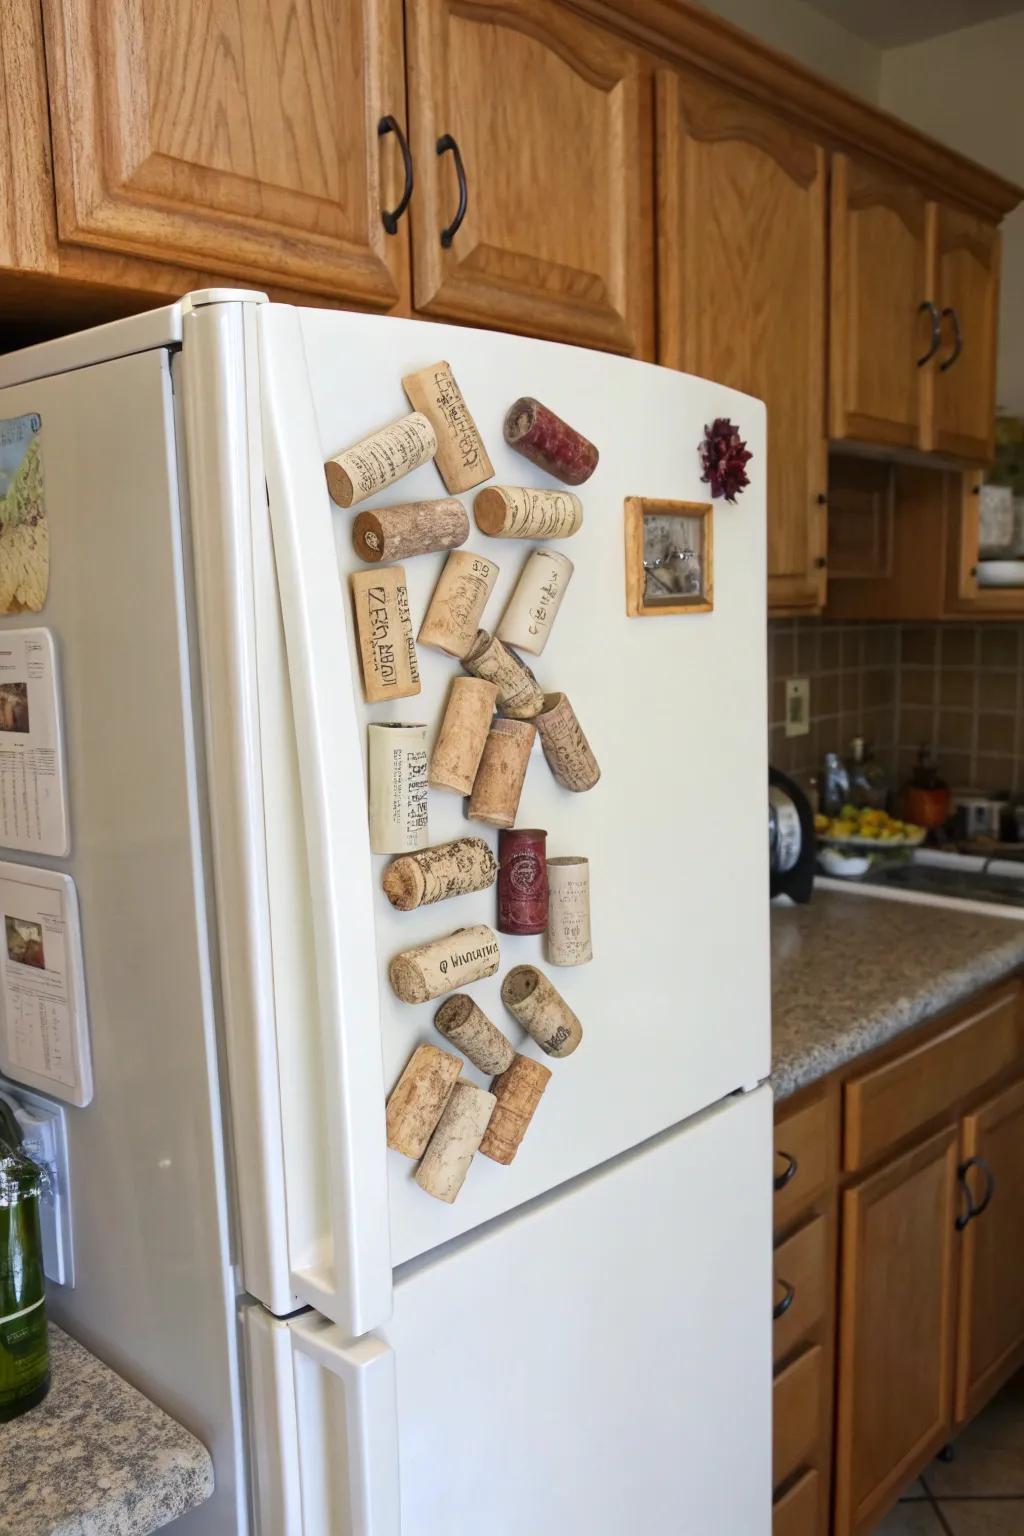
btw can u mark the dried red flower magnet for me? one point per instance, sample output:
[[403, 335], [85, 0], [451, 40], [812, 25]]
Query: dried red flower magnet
[[724, 457]]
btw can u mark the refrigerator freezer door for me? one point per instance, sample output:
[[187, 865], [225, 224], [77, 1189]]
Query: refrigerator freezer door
[[598, 1362], [675, 1005]]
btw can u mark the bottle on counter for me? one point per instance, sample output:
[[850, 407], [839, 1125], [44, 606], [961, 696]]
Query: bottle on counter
[[24, 1341], [925, 797], [834, 785], [869, 782]]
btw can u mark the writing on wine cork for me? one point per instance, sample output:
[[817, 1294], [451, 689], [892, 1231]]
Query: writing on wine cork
[[546, 440], [518, 1092], [538, 594], [397, 773], [499, 779], [568, 936], [542, 1011], [383, 534], [434, 874], [519, 512], [520, 696], [522, 880], [460, 741], [418, 1099], [377, 461], [456, 1138], [461, 455], [466, 1026], [430, 970], [453, 616], [387, 646], [565, 747]]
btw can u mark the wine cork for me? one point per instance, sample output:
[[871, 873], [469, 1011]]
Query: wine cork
[[541, 1010], [462, 1023], [387, 649], [568, 937], [450, 869], [546, 440], [499, 779], [459, 1133], [461, 594], [430, 970], [411, 528], [520, 696], [461, 455], [519, 512], [418, 1099], [460, 741], [518, 1091], [397, 772], [522, 880], [377, 461], [536, 600], [566, 748]]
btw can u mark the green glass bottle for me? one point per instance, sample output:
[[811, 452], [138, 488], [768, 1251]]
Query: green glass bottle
[[24, 1342]]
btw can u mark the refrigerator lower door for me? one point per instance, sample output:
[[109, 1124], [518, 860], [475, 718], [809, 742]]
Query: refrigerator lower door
[[598, 1362]]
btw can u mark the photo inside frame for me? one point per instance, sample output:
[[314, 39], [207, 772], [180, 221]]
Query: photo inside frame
[[674, 556]]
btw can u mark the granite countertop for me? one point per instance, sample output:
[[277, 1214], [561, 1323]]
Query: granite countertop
[[96, 1458], [850, 972]]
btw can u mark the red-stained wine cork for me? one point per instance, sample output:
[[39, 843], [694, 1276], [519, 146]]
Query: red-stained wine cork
[[377, 461], [518, 1092], [522, 880], [549, 442], [384, 534]]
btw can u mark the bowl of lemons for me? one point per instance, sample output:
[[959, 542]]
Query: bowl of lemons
[[868, 828]]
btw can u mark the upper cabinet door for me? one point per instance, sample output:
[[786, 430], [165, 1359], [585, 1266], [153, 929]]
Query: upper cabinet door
[[233, 134], [964, 371], [741, 245], [881, 284], [548, 126]]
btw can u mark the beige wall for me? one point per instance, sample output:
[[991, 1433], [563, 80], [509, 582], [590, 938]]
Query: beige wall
[[965, 88], [803, 33]]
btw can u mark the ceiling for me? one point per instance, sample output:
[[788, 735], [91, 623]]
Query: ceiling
[[889, 25]]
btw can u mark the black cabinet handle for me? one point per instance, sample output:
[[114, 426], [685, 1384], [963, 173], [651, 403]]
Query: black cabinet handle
[[390, 217], [990, 1188], [782, 1307], [926, 304], [444, 143], [782, 1179], [958, 340]]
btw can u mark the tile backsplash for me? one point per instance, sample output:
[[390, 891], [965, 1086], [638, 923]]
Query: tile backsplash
[[959, 688]]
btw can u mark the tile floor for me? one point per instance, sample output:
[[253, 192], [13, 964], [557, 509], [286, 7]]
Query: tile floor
[[979, 1493]]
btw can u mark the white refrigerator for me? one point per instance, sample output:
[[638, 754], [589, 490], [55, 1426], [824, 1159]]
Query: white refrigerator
[[581, 1342]]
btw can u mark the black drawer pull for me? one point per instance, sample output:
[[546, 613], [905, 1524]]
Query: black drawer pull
[[390, 217], [782, 1307], [789, 1172], [444, 143]]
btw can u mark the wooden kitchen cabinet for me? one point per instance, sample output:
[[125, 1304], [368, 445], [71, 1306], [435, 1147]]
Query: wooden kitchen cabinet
[[896, 1329], [963, 374], [551, 118], [741, 240], [991, 1308], [242, 138]]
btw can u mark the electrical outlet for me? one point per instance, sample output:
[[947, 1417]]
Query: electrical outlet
[[798, 706]]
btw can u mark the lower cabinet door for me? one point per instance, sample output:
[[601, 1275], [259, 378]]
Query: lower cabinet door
[[796, 1411], [991, 1326], [797, 1512], [896, 1340]]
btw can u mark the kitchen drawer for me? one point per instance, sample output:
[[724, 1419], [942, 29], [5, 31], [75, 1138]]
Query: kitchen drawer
[[803, 1159], [797, 1512], [797, 1400], [896, 1099], [801, 1276]]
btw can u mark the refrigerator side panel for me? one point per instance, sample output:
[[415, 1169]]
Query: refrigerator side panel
[[153, 1293]]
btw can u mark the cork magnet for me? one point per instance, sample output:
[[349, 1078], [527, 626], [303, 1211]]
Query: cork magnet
[[518, 1091], [464, 1025], [549, 442], [499, 779], [542, 1011], [568, 938], [384, 534], [522, 880], [517, 512], [377, 461], [428, 971], [451, 621], [520, 696], [460, 741], [566, 748], [459, 1133], [418, 1099], [461, 455], [387, 648], [450, 869], [397, 772], [538, 594]]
